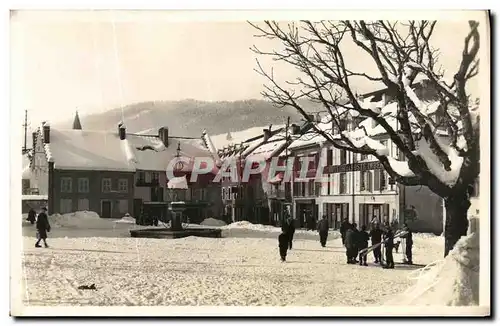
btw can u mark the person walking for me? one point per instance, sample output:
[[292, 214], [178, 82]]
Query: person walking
[[376, 236], [323, 227], [288, 227], [42, 227], [283, 245]]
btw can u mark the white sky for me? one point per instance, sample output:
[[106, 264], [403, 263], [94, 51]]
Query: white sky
[[60, 64]]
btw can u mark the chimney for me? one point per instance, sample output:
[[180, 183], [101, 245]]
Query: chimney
[[295, 129], [46, 132], [122, 131], [267, 134], [163, 135]]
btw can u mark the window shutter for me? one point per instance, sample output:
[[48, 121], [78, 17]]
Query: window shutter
[[362, 180], [376, 181]]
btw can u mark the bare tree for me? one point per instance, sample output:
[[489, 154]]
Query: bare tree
[[401, 51]]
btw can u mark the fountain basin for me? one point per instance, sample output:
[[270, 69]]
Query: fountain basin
[[167, 233]]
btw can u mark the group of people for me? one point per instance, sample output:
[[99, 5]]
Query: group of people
[[354, 240], [42, 225]]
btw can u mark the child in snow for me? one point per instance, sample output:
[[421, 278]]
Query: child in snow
[[283, 242], [42, 227], [363, 238]]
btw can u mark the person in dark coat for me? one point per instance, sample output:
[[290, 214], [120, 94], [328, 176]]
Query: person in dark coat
[[288, 227], [356, 241], [323, 227], [376, 236], [350, 244], [363, 238], [291, 232], [31, 216], [42, 227], [344, 226], [283, 245], [389, 245], [408, 243]]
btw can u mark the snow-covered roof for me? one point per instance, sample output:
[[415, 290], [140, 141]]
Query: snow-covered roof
[[88, 150], [103, 150], [237, 137], [152, 155]]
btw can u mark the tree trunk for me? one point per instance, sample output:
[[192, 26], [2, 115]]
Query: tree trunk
[[456, 223]]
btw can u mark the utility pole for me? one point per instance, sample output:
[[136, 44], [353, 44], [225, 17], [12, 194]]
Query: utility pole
[[25, 125]]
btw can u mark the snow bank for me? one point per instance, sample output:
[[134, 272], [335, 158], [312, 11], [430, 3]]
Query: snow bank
[[212, 222], [34, 197], [245, 225], [453, 281], [81, 219], [126, 219]]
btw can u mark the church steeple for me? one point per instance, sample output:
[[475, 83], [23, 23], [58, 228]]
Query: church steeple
[[76, 123]]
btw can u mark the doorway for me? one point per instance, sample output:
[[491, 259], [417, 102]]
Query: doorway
[[105, 209]]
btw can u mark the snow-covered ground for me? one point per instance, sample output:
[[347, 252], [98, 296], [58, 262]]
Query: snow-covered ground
[[207, 271]]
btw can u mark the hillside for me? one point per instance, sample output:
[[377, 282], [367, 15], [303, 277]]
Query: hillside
[[190, 117]]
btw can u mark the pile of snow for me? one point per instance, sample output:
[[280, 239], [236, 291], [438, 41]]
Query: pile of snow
[[126, 219], [81, 219], [212, 222], [245, 225], [453, 281]]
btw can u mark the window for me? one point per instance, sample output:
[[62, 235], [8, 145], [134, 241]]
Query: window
[[310, 188], [66, 206], [329, 157], [147, 177], [354, 157], [106, 185], [296, 189], [329, 190], [83, 204], [362, 180], [123, 206], [364, 157], [123, 185], [343, 156], [317, 188], [83, 185], [141, 176], [155, 176], [66, 185], [343, 183], [302, 189], [368, 181]]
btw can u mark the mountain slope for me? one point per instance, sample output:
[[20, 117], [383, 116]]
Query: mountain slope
[[190, 117]]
